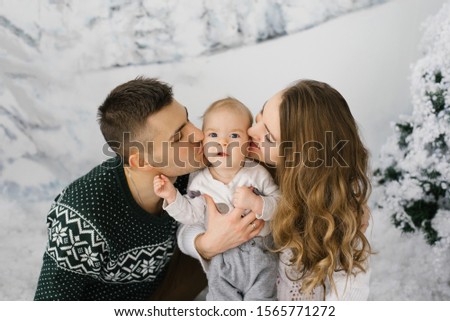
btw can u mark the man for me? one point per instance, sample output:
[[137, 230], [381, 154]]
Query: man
[[108, 238]]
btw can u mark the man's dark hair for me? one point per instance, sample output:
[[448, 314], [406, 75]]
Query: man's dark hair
[[125, 111]]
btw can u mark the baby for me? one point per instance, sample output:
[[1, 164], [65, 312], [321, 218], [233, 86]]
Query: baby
[[247, 272]]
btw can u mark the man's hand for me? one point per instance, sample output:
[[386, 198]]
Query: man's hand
[[225, 232], [164, 188]]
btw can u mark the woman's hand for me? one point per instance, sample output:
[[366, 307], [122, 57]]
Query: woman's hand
[[227, 231]]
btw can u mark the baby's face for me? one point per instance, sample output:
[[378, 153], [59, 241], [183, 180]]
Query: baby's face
[[226, 139]]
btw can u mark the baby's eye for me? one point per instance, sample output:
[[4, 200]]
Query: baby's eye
[[213, 135], [234, 135]]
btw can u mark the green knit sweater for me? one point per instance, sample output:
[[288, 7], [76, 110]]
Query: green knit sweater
[[101, 244]]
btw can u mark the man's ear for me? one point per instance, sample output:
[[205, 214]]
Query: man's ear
[[133, 160], [138, 161]]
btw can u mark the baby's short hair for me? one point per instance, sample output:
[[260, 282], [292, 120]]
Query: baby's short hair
[[231, 104]]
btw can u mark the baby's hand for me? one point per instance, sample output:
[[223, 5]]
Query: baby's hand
[[245, 198], [164, 188]]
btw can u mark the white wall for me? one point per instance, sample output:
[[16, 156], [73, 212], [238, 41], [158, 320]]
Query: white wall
[[366, 55]]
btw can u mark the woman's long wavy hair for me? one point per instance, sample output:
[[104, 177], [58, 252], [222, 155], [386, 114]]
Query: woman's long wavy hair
[[324, 185]]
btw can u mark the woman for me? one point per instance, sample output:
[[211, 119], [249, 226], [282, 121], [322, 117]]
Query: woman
[[307, 132]]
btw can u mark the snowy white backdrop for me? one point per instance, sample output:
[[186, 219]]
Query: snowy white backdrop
[[60, 58]]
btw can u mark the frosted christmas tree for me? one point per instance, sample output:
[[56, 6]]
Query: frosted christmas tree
[[414, 172]]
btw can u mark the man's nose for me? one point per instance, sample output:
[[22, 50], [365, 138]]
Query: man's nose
[[197, 135]]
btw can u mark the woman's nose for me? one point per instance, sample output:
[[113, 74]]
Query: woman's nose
[[253, 133]]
